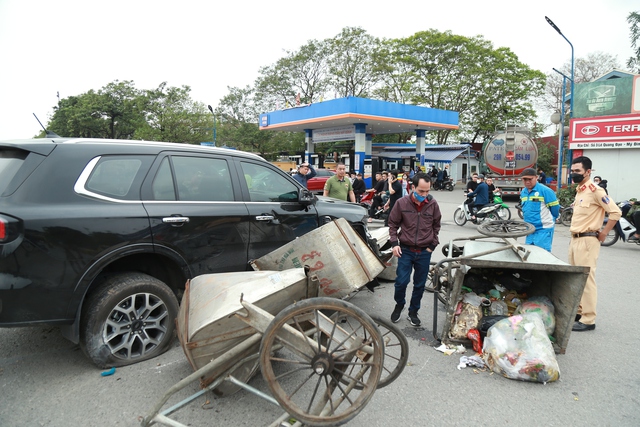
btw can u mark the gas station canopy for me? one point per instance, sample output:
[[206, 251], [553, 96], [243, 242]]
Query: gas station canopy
[[379, 117]]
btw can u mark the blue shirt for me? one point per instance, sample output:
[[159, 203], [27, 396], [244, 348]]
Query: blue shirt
[[302, 179], [540, 206], [481, 194]]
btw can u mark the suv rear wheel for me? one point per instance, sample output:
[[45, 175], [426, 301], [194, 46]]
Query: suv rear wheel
[[128, 319]]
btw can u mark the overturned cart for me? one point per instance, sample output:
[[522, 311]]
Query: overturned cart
[[495, 255], [321, 357]]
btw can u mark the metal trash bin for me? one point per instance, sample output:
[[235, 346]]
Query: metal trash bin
[[335, 253], [562, 283]]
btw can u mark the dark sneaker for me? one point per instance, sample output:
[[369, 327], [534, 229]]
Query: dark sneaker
[[413, 319], [395, 316]]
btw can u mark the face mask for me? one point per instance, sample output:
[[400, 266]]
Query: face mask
[[577, 178], [419, 198]]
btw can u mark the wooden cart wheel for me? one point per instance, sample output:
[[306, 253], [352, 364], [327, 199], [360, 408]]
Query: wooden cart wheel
[[509, 228], [328, 382], [396, 350]]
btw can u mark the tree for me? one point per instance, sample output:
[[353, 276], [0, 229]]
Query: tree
[[486, 86], [634, 28], [352, 67], [171, 115], [111, 112]]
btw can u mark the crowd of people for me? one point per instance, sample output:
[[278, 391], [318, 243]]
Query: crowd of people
[[413, 217]]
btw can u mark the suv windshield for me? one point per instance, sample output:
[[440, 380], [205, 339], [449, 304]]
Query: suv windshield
[[10, 162]]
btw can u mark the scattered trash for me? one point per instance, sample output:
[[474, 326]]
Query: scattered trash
[[109, 372], [471, 361], [449, 349]]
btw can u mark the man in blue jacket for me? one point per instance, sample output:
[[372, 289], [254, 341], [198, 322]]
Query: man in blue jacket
[[305, 173], [540, 208], [481, 194]]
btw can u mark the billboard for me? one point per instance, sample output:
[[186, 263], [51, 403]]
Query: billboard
[[605, 132], [604, 97]]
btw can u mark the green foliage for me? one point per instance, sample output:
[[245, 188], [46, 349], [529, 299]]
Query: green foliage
[[566, 195], [634, 28], [545, 157]]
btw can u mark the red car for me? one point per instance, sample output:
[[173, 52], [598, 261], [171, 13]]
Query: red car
[[316, 184]]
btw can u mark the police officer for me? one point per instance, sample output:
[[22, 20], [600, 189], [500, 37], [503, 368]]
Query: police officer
[[589, 208]]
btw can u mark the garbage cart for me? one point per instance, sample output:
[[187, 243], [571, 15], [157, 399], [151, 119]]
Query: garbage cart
[[496, 256]]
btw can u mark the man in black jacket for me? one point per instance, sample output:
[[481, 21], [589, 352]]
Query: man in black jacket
[[359, 187], [414, 224]]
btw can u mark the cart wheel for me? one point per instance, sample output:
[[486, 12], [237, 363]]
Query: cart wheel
[[310, 383], [506, 228], [443, 291], [396, 352]]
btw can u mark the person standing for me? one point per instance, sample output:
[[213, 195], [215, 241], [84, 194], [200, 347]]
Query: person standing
[[414, 224], [305, 173], [405, 184], [540, 208], [542, 177], [359, 187], [589, 208], [379, 190], [338, 186], [395, 193]]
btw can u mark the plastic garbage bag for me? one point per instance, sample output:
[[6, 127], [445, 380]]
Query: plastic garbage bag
[[542, 306], [518, 348]]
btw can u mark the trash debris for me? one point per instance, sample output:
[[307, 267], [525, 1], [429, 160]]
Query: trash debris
[[471, 361], [474, 336], [109, 372], [449, 349]]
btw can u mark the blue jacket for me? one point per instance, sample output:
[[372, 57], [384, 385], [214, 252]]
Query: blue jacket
[[302, 179], [481, 194], [540, 206]]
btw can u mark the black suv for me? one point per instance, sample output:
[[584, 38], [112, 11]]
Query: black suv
[[100, 236]]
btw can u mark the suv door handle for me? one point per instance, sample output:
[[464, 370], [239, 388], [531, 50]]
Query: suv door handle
[[265, 217], [175, 219]]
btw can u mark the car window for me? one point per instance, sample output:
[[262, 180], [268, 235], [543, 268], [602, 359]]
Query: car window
[[10, 162], [113, 175], [162, 187], [202, 179], [324, 172], [267, 185]]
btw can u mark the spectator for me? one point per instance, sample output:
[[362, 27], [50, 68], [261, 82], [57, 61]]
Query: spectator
[[339, 186], [601, 183], [305, 172], [359, 187], [473, 184], [542, 177]]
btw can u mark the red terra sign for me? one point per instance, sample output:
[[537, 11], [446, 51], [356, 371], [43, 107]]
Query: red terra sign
[[605, 132]]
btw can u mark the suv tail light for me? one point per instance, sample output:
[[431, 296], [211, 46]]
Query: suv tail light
[[3, 230]]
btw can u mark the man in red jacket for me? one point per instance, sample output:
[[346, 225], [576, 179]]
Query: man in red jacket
[[414, 224]]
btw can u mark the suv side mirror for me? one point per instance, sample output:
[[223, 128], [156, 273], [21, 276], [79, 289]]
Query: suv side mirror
[[305, 196]]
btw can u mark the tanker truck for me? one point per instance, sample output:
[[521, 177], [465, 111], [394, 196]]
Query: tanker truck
[[506, 155]]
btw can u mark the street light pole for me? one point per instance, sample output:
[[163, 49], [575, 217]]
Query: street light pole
[[214, 124], [561, 128], [555, 27]]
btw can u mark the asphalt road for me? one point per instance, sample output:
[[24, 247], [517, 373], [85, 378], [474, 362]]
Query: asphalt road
[[46, 380]]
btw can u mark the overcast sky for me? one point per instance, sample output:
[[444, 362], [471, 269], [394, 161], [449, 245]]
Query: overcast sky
[[69, 47]]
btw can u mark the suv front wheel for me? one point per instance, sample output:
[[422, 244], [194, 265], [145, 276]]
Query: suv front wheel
[[128, 319]]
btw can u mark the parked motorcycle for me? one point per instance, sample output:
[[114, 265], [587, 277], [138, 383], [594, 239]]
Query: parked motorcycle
[[503, 210], [487, 213], [566, 213], [449, 184], [622, 230], [519, 209]]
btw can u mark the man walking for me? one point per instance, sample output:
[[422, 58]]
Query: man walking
[[540, 208], [339, 187], [414, 224], [305, 173], [589, 208]]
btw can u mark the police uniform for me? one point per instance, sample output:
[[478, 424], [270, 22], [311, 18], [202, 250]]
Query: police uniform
[[589, 209]]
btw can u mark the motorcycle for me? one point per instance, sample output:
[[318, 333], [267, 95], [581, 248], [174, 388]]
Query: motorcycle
[[487, 213], [566, 213], [449, 184], [503, 211], [622, 230]]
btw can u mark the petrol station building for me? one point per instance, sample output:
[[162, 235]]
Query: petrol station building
[[606, 128], [358, 119]]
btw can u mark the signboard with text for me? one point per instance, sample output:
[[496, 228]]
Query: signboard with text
[[344, 133], [605, 132]]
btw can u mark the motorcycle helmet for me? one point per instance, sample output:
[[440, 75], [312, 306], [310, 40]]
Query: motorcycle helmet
[[480, 176]]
